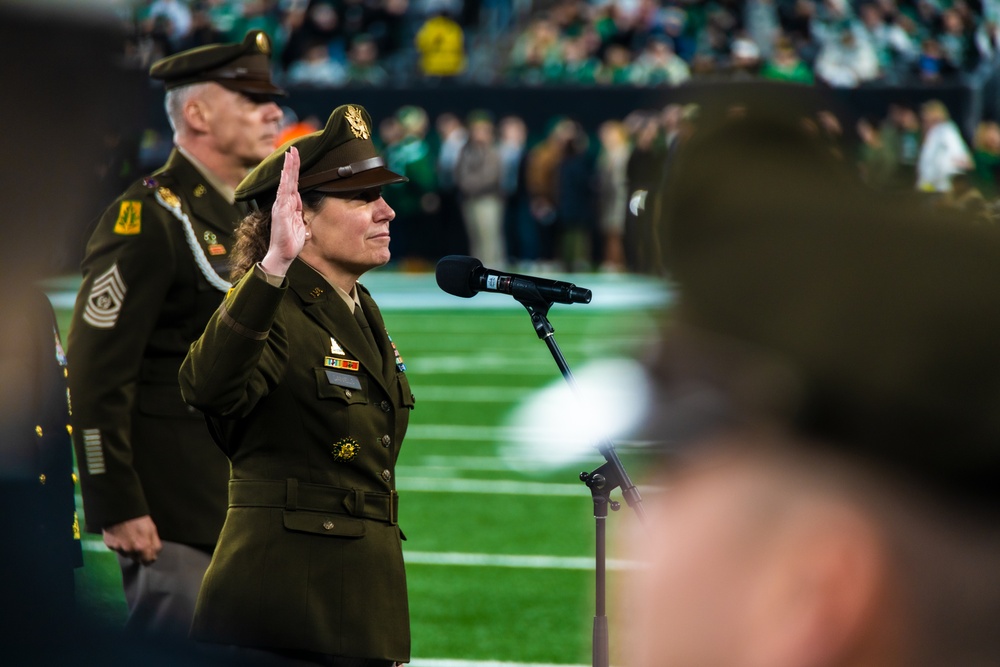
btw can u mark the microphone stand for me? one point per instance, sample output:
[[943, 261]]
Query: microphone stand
[[601, 482]]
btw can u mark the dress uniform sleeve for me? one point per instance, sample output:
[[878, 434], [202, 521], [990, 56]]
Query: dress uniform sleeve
[[242, 353], [127, 272]]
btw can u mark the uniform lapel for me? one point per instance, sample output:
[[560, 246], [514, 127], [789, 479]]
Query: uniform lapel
[[326, 308], [207, 206], [381, 336]]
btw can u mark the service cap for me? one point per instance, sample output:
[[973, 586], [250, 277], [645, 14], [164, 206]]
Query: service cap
[[339, 158], [241, 66]]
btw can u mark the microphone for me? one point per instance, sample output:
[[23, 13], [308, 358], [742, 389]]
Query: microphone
[[466, 276]]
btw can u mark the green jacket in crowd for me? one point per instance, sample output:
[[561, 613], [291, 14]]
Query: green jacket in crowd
[[151, 280], [312, 419]]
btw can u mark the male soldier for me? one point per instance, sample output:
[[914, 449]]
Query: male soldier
[[830, 383], [155, 269]]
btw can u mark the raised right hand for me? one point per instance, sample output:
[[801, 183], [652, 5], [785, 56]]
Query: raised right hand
[[288, 230]]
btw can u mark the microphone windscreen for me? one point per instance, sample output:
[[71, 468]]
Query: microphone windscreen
[[454, 275]]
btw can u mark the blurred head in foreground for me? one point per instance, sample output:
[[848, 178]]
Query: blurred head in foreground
[[829, 405]]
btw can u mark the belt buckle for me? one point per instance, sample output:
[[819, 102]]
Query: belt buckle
[[393, 508]]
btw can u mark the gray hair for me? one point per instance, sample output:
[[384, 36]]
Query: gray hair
[[174, 102]]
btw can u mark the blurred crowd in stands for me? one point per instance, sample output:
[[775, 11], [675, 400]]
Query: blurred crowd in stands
[[566, 197], [589, 42], [562, 198]]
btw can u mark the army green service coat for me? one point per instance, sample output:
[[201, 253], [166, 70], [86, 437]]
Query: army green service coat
[[152, 276], [312, 418]]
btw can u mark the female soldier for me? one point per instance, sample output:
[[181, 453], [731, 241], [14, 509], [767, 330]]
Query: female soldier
[[306, 394]]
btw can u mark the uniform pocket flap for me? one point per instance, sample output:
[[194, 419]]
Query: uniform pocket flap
[[320, 523]]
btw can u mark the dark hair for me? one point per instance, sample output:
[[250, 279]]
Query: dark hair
[[253, 236]]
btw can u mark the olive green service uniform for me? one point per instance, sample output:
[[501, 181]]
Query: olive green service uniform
[[312, 411], [313, 419], [152, 278], [153, 273]]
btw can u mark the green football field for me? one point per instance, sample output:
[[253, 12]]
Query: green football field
[[500, 531]]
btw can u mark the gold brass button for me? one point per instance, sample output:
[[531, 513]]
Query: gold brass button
[[38, 431], [386, 440], [41, 478], [386, 475], [327, 525]]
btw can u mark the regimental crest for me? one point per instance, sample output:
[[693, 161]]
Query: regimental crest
[[168, 197], [104, 304], [129, 222], [357, 121], [345, 449]]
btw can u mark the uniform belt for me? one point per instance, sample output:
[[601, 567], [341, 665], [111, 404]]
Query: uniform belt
[[291, 494]]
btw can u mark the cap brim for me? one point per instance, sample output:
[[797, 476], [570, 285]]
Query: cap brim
[[252, 87], [370, 178]]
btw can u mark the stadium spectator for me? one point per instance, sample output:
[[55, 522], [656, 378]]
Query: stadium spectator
[[441, 44], [156, 267], [292, 127], [451, 136], [542, 183], [760, 18], [744, 58], [846, 61], [943, 152], [316, 68], [203, 30], [617, 67], [931, 66], [876, 159], [957, 45], [893, 46], [318, 24], [644, 175], [174, 16], [659, 65], [477, 177], [986, 157], [416, 201], [900, 132], [363, 66], [575, 203], [786, 65], [612, 192], [520, 232]]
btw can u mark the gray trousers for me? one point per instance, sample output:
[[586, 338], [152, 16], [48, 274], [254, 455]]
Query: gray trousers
[[161, 596]]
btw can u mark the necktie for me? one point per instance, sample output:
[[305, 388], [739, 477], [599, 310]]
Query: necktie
[[359, 315]]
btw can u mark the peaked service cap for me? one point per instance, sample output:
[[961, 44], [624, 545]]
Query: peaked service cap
[[339, 158], [241, 66]]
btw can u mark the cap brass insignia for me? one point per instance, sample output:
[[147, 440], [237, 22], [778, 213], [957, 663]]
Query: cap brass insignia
[[263, 44], [357, 121], [200, 190], [168, 197]]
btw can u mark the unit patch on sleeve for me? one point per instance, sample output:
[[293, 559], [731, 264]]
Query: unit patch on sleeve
[[104, 303], [129, 222]]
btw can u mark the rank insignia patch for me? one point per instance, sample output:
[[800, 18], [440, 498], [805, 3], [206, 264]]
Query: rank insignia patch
[[104, 303], [345, 449], [346, 364], [335, 347], [129, 220]]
